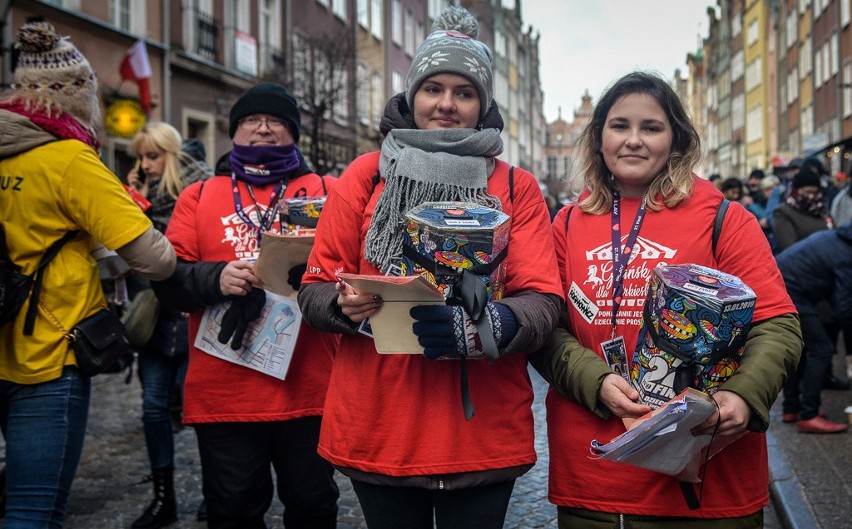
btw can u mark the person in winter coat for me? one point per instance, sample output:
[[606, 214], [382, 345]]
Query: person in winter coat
[[247, 420], [643, 206], [816, 270], [412, 457], [164, 171], [803, 211], [54, 183]]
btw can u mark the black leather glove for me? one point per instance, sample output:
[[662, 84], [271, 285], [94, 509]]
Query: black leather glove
[[243, 310], [294, 276]]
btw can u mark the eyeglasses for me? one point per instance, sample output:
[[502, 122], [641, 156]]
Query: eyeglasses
[[254, 123]]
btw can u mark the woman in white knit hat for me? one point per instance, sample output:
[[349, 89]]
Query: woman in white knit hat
[[397, 424], [56, 189]]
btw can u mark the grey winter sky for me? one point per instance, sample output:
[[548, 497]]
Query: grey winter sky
[[587, 44]]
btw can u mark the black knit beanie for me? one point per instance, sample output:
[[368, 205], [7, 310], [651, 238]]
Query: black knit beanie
[[805, 178], [267, 98]]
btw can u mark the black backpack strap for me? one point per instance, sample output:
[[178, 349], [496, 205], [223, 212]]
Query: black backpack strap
[[568, 217], [29, 322], [717, 224], [324, 188], [512, 184]]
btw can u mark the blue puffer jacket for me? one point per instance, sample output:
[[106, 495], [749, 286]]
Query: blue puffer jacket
[[819, 268]]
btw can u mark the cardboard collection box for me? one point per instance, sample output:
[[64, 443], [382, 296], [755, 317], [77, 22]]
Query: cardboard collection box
[[447, 238], [692, 313]]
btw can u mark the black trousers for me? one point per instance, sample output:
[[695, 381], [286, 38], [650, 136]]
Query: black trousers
[[388, 507], [237, 478]]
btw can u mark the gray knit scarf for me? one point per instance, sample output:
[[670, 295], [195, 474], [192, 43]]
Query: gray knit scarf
[[428, 166]]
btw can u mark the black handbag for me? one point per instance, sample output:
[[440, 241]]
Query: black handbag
[[98, 341]]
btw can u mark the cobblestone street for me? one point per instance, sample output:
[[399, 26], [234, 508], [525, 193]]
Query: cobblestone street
[[109, 493]]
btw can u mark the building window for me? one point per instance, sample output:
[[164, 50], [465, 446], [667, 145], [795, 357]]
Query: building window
[[339, 8], [844, 13], [499, 43], [847, 89], [397, 84], [269, 23], [737, 65], [753, 33], [738, 112], [418, 34], [818, 70], [409, 33], [128, 15], [201, 29], [364, 13], [754, 124], [341, 104], [754, 74], [396, 22], [376, 18], [378, 99], [364, 99], [835, 60]]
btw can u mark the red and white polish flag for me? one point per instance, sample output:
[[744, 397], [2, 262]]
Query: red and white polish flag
[[137, 67]]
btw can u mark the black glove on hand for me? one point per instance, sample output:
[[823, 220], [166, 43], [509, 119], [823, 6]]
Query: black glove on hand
[[447, 331], [294, 276], [243, 310]]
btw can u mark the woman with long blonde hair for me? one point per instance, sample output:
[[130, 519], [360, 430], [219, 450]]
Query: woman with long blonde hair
[[163, 171]]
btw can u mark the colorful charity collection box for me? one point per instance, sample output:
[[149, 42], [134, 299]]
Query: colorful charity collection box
[[302, 211], [696, 320], [447, 238]]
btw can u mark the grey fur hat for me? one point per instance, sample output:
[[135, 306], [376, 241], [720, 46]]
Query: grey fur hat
[[452, 48]]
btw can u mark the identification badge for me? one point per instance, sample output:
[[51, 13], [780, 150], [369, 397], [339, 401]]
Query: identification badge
[[615, 354]]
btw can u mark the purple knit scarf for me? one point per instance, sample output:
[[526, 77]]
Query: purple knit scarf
[[262, 165]]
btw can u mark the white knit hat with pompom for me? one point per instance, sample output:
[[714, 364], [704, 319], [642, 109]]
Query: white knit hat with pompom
[[452, 48]]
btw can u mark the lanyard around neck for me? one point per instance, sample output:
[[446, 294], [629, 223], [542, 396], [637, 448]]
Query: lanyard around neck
[[621, 256], [266, 219]]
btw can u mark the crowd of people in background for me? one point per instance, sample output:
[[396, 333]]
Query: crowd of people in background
[[793, 205], [414, 447]]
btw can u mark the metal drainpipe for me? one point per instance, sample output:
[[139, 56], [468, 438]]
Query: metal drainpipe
[[167, 65]]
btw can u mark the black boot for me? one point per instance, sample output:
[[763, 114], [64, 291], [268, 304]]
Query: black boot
[[163, 509]]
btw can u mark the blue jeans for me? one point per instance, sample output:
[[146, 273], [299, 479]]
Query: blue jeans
[[44, 426], [159, 374]]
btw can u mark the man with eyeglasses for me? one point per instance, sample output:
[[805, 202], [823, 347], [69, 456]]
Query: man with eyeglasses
[[246, 420]]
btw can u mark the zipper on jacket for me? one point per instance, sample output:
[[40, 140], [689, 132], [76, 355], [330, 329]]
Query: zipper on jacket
[[620, 521], [440, 484]]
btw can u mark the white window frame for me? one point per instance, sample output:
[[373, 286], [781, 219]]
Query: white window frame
[[377, 19], [362, 8], [396, 22], [136, 16], [846, 94], [340, 9]]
